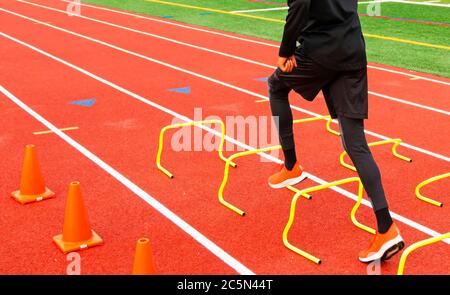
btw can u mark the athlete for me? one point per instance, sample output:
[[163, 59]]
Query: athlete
[[323, 49]]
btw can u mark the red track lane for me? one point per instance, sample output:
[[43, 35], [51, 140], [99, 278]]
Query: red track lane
[[257, 233], [400, 86], [260, 231], [431, 123], [115, 213], [207, 89]]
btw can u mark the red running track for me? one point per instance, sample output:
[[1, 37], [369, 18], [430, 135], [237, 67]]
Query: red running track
[[243, 75], [124, 133]]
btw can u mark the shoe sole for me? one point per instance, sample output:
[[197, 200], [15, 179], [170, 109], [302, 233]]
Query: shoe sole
[[392, 251], [290, 181], [388, 250]]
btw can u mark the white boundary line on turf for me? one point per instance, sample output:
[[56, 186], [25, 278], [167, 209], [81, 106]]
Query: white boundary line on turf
[[427, 3], [216, 81], [399, 100], [421, 3], [247, 40], [377, 1], [341, 191], [191, 231]]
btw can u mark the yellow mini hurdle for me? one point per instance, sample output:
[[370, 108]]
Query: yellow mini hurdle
[[318, 188], [328, 124], [428, 181], [181, 125], [227, 169], [415, 246], [396, 142]]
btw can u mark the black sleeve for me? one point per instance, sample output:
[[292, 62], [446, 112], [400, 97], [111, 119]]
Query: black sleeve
[[296, 21]]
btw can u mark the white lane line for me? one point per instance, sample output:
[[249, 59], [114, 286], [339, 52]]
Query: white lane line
[[186, 227], [430, 153], [259, 10], [135, 15], [428, 3], [153, 35], [375, 1], [433, 154], [341, 191], [414, 104], [399, 100]]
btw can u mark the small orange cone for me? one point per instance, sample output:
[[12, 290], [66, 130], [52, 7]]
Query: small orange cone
[[77, 233], [32, 185], [143, 258]]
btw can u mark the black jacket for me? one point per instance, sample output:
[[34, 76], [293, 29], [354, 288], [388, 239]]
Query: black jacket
[[329, 32]]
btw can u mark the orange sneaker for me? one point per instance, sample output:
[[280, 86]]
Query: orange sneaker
[[285, 177], [383, 246]]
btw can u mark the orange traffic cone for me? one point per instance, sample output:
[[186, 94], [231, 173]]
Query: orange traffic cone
[[32, 186], [77, 233], [143, 258]]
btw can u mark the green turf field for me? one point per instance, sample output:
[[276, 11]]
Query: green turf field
[[416, 45]]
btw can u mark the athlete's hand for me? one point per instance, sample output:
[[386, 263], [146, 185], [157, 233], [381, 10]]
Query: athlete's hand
[[287, 64]]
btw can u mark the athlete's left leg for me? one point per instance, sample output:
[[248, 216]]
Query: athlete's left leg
[[387, 241]]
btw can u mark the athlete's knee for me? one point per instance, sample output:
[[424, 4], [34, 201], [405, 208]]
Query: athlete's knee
[[277, 89], [357, 149], [353, 138], [273, 82]]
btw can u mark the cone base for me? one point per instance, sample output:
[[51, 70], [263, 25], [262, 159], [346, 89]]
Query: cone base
[[25, 199], [67, 247]]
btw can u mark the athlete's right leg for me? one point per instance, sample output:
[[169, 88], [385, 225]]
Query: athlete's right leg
[[307, 79], [282, 115], [291, 172]]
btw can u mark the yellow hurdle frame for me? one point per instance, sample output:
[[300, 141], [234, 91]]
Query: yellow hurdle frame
[[396, 142], [318, 188], [328, 124], [227, 170], [180, 125], [415, 246], [423, 183]]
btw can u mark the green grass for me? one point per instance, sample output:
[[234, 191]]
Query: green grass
[[414, 57]]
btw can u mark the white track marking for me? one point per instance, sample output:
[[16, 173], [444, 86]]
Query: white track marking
[[341, 191], [225, 54], [191, 231], [245, 39], [178, 25], [154, 35], [433, 154], [404, 101], [421, 3], [427, 3], [375, 1]]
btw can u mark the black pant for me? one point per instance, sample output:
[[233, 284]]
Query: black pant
[[351, 125]]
